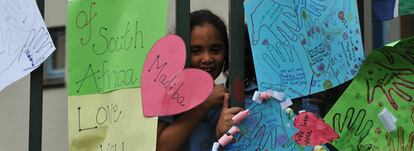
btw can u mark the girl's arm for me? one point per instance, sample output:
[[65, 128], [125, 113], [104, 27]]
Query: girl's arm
[[172, 136]]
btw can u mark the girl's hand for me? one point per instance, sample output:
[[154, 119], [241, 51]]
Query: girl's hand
[[225, 121], [216, 97]]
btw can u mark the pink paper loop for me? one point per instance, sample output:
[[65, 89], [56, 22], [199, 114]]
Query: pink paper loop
[[233, 130], [225, 139], [239, 117]]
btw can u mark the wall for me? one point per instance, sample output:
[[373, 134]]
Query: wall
[[14, 116]]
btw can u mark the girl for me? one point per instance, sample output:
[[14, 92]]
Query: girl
[[197, 128]]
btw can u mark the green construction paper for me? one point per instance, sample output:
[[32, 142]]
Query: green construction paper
[[393, 43], [108, 42], [406, 7], [390, 72]]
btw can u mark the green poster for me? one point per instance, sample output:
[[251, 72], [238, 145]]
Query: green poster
[[406, 7], [386, 80], [109, 40]]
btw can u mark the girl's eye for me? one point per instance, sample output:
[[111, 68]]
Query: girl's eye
[[195, 51], [216, 49]]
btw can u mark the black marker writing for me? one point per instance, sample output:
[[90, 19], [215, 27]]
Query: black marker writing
[[79, 122], [108, 77], [112, 147], [119, 43], [87, 76], [83, 20], [109, 114], [168, 84]]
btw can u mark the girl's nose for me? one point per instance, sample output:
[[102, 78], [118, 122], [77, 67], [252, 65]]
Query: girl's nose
[[206, 58]]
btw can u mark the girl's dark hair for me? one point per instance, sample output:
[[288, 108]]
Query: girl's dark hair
[[200, 17], [250, 72]]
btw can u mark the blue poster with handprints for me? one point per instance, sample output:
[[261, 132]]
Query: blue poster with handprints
[[268, 127], [301, 47]]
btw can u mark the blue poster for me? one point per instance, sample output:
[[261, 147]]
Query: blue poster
[[301, 47], [268, 127]]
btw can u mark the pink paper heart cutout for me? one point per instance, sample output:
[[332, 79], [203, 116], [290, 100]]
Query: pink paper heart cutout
[[166, 87], [312, 130]]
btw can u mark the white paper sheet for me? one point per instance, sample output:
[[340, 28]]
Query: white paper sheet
[[24, 40]]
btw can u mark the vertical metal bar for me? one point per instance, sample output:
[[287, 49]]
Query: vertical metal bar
[[378, 34], [182, 16], [360, 4], [36, 101], [36, 109], [367, 22], [236, 53], [407, 26]]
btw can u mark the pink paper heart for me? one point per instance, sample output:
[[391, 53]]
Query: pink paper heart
[[312, 130], [167, 88]]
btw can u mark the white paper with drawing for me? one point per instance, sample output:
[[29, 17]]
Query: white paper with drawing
[[24, 40]]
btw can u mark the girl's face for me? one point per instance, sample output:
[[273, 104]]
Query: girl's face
[[207, 49]]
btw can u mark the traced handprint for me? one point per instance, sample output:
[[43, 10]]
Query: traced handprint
[[353, 129], [35, 49], [19, 14], [330, 21], [317, 46], [389, 80], [316, 7], [5, 39], [281, 20], [404, 49], [344, 62], [346, 56], [264, 129], [399, 144], [412, 115], [285, 62]]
